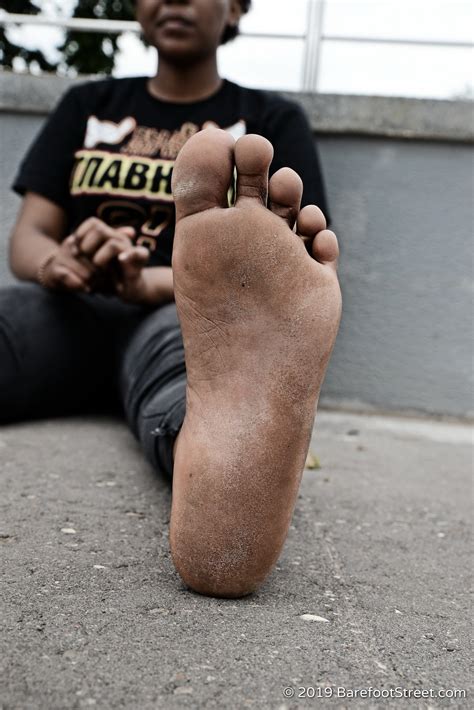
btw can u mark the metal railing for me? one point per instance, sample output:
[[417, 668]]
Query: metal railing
[[313, 37]]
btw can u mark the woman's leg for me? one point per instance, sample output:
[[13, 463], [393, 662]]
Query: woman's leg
[[54, 354], [153, 385]]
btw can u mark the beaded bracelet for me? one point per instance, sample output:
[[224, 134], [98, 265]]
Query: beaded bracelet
[[42, 268]]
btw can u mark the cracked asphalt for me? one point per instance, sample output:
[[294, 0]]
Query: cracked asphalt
[[371, 591]]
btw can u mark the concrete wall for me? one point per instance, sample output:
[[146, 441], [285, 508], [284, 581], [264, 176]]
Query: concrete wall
[[404, 214], [403, 210]]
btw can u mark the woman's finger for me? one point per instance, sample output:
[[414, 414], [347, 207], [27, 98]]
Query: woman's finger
[[64, 277], [82, 267], [95, 238], [128, 231], [88, 224], [133, 260], [90, 243], [70, 245], [135, 255], [107, 252]]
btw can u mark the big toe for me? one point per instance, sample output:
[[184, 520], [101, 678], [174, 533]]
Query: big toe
[[253, 155], [203, 172]]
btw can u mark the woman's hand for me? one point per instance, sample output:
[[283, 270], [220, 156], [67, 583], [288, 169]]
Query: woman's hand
[[40, 253], [101, 243], [63, 270], [96, 258], [112, 252]]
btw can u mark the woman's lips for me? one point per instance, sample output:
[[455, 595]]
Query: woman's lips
[[175, 24]]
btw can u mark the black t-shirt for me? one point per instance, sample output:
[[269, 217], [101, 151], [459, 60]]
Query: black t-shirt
[[109, 148]]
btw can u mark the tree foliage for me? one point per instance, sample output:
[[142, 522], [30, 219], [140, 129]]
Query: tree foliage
[[9, 50], [93, 52], [84, 52]]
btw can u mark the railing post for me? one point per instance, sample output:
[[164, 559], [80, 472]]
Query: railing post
[[314, 29]]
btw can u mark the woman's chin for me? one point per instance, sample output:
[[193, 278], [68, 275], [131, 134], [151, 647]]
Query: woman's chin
[[179, 53]]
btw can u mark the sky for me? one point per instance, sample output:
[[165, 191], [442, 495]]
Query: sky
[[344, 66]]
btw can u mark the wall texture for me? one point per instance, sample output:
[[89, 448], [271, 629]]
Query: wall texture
[[403, 211]]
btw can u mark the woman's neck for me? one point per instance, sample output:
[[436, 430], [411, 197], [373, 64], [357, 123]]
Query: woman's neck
[[185, 84]]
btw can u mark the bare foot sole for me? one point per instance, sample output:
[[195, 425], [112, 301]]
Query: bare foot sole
[[259, 311]]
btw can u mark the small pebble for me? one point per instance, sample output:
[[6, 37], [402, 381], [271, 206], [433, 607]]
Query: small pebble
[[314, 617], [312, 462], [68, 531]]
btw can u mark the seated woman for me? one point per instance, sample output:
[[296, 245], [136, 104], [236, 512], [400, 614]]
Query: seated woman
[[169, 271]]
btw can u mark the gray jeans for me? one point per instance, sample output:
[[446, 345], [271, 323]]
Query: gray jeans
[[62, 353]]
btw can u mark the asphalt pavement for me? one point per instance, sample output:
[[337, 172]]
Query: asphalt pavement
[[370, 596]]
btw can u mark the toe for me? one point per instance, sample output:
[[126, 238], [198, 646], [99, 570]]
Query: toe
[[203, 172], [325, 248], [321, 242], [310, 221], [284, 195], [253, 155]]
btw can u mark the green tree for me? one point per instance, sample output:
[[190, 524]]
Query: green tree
[[9, 50], [93, 52], [84, 52]]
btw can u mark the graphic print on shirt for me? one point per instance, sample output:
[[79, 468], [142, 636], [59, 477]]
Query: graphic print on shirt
[[107, 131], [148, 221], [133, 165]]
